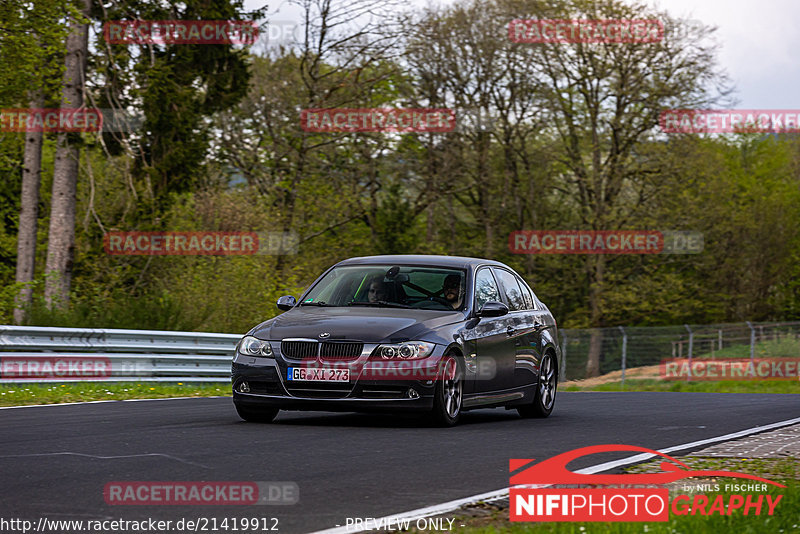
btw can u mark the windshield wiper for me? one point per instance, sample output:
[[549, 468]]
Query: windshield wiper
[[318, 303], [379, 304]]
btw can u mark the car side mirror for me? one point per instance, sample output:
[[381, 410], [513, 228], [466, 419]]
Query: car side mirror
[[492, 309], [286, 302]]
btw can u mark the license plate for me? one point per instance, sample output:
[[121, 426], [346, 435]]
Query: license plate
[[318, 375]]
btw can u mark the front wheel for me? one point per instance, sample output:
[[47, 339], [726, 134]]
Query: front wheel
[[545, 398], [449, 393], [260, 415]]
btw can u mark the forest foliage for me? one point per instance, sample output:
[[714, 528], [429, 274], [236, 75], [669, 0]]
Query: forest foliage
[[552, 137]]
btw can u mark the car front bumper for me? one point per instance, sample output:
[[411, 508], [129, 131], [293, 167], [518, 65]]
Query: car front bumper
[[267, 386]]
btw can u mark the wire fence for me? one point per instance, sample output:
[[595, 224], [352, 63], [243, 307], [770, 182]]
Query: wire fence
[[633, 351]]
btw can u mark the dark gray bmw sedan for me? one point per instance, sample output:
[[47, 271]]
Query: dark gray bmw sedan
[[439, 334]]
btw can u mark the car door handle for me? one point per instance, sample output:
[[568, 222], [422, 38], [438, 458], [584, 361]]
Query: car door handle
[[510, 331]]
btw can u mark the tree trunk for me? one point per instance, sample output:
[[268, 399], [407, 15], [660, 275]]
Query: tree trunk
[[61, 238], [28, 217], [596, 278], [485, 192], [430, 210]]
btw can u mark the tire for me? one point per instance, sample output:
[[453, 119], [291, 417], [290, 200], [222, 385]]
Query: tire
[[260, 415], [545, 398], [449, 394]]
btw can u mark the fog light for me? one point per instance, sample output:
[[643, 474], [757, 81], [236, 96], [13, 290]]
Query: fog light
[[244, 387], [412, 393]]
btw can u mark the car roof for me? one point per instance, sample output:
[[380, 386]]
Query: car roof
[[459, 262]]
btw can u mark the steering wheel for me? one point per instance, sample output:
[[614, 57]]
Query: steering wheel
[[441, 300]]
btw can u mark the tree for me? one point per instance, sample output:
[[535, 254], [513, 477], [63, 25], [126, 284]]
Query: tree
[[341, 59], [460, 58], [61, 236], [32, 38], [176, 87], [604, 101], [28, 216]]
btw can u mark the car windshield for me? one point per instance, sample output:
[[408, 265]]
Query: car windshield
[[390, 286]]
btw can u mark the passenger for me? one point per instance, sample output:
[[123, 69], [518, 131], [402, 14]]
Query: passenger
[[452, 290], [377, 290]]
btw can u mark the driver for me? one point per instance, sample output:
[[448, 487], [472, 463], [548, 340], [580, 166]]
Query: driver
[[452, 290]]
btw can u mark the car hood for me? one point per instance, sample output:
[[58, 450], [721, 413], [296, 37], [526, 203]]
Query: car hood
[[371, 325]]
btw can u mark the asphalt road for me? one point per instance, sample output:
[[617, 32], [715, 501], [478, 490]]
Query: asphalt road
[[55, 461]]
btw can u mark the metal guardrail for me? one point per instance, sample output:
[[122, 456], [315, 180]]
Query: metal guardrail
[[46, 354], [109, 355]]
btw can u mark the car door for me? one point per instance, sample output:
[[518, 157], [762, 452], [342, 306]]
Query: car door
[[492, 367], [522, 328], [535, 340]]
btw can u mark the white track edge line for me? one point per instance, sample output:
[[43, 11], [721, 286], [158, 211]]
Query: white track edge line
[[109, 400], [449, 506]]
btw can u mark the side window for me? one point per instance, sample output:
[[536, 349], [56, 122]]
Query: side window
[[485, 288], [511, 289], [527, 296]]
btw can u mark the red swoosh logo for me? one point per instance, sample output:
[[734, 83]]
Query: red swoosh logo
[[554, 470]]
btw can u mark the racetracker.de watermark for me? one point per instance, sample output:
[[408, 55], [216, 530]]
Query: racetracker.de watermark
[[200, 493], [730, 121], [50, 120], [180, 32], [535, 31], [282, 33], [392, 370], [731, 369], [200, 243], [402, 120], [605, 242], [37, 368]]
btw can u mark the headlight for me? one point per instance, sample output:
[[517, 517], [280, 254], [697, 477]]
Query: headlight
[[410, 350], [251, 346]]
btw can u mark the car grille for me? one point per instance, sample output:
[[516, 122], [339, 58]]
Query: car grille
[[299, 349], [340, 350], [386, 392], [321, 390], [264, 388], [328, 350]]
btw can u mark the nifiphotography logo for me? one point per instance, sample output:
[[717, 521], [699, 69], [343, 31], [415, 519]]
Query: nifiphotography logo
[[623, 497]]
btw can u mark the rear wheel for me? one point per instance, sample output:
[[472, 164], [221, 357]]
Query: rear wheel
[[256, 415], [545, 398], [449, 393]]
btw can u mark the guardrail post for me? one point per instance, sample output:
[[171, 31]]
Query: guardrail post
[[752, 340], [624, 353], [563, 370], [691, 345]]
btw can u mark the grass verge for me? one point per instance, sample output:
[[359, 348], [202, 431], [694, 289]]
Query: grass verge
[[722, 386], [26, 394]]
